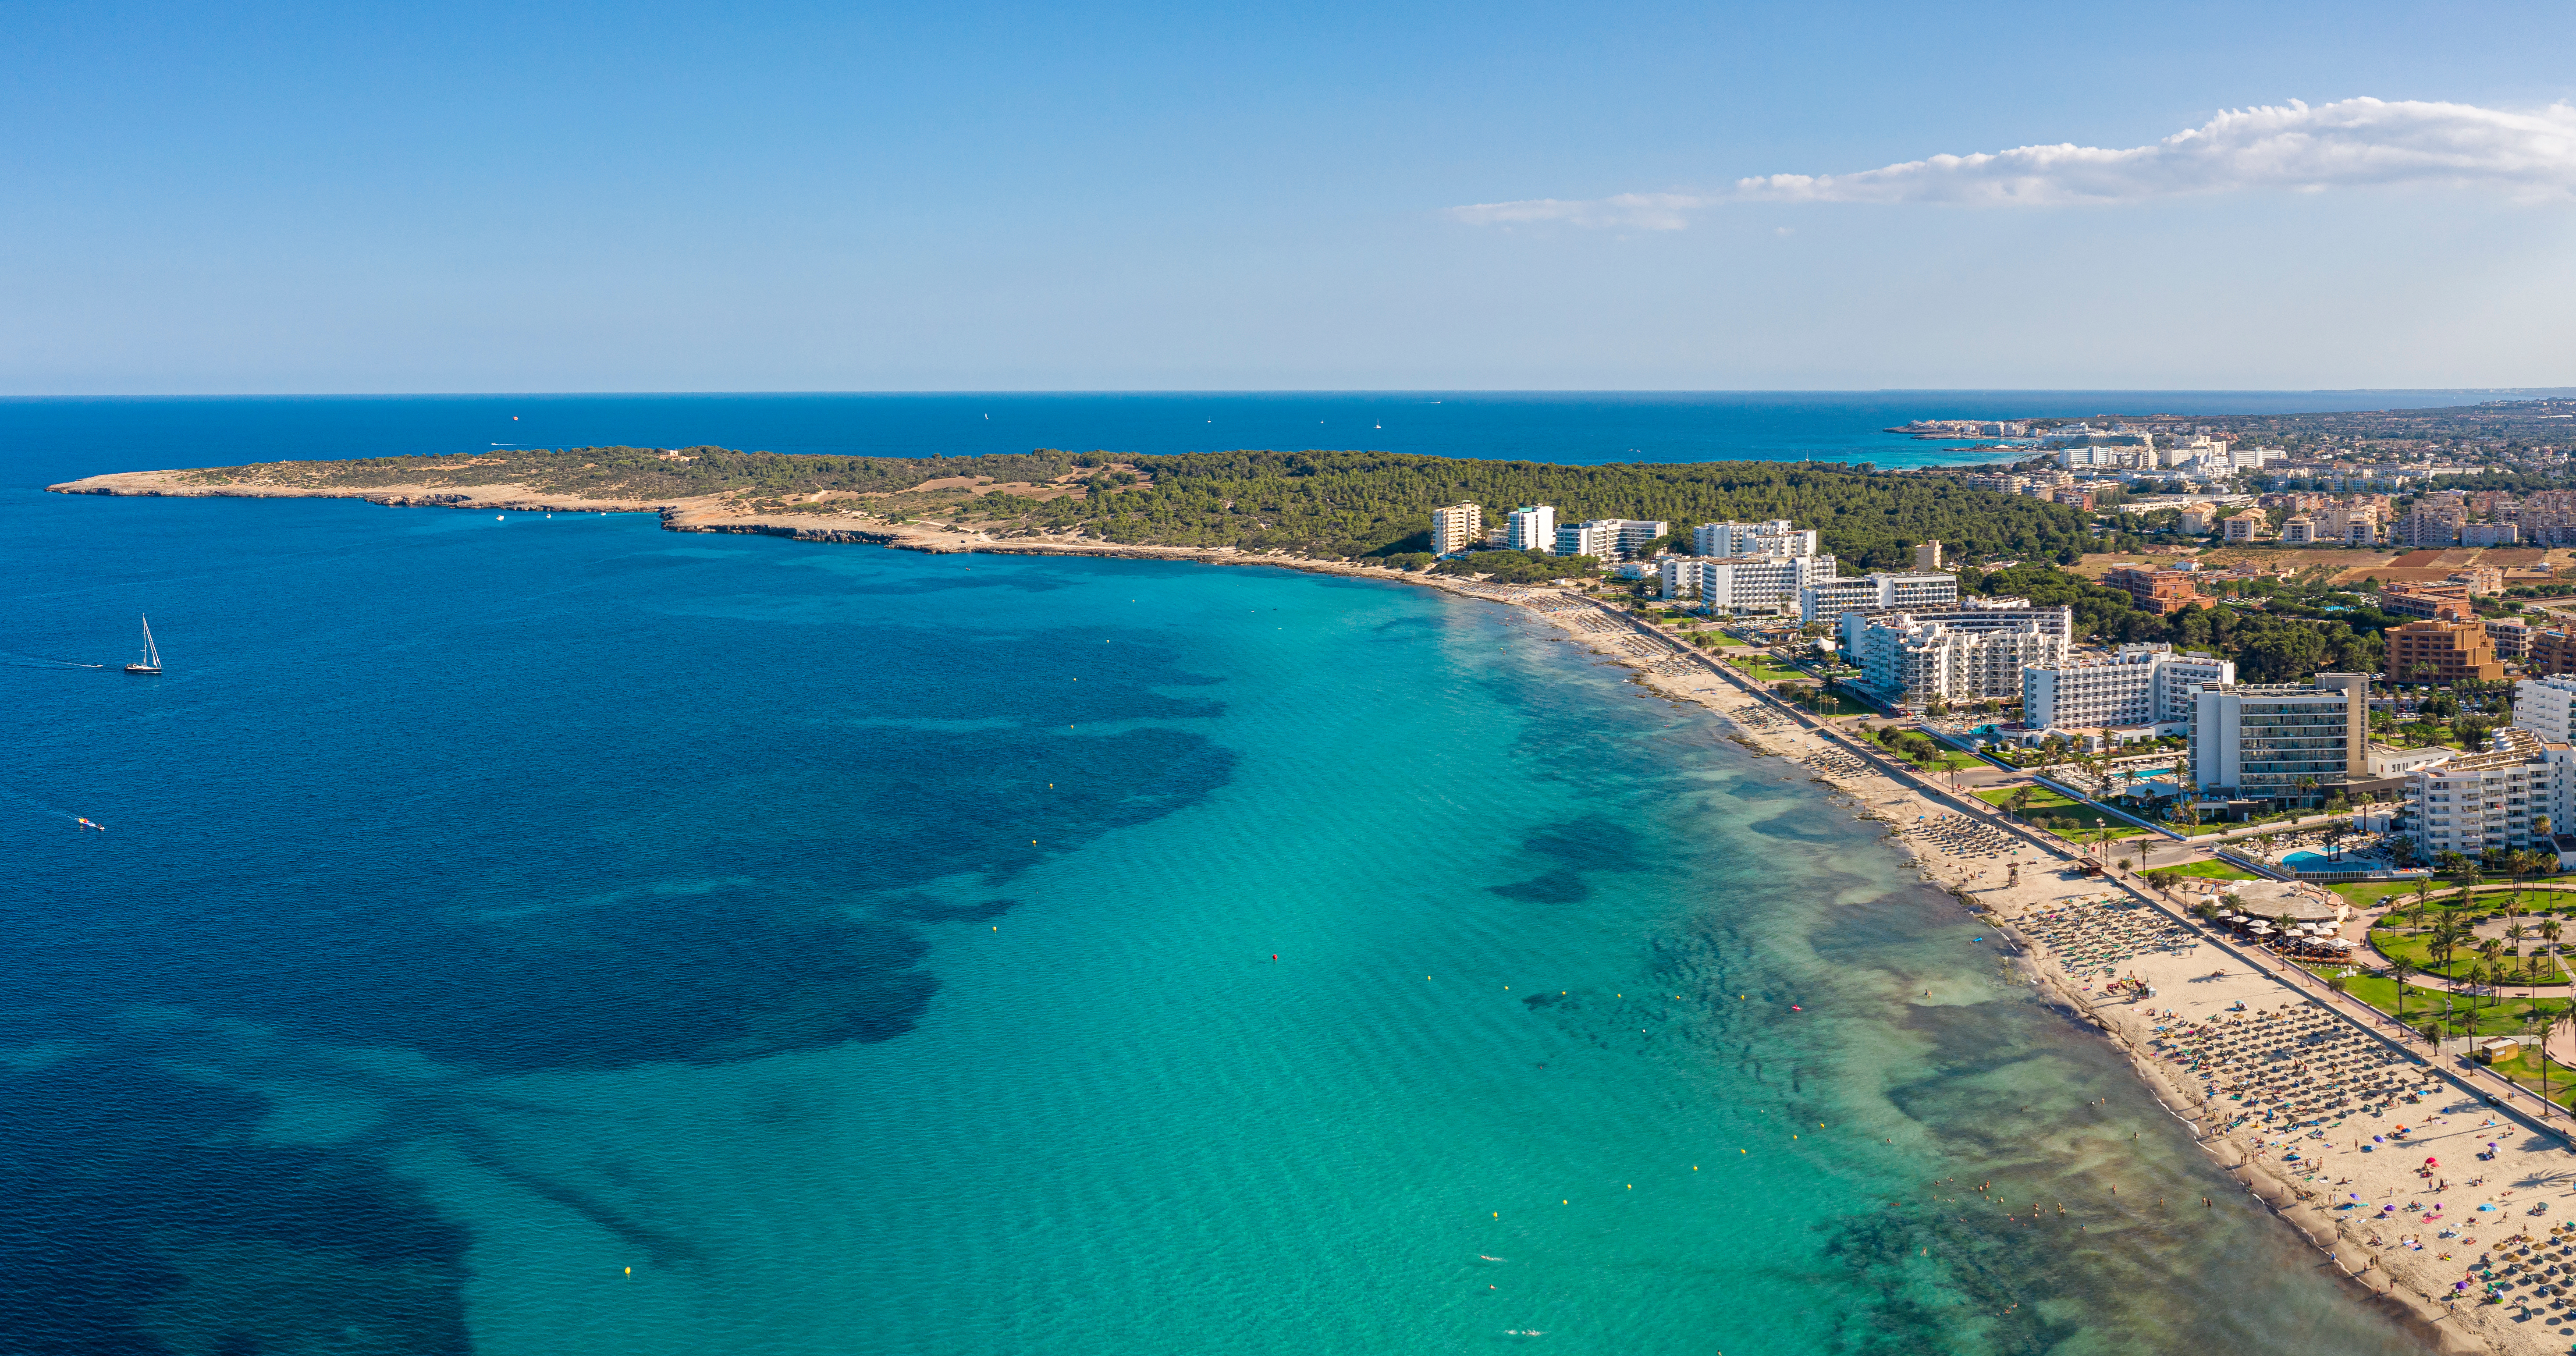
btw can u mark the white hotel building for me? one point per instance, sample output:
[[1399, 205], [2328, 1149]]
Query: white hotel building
[[2547, 707], [1745, 583], [2501, 798], [2140, 685], [1967, 656], [1774, 538], [1531, 528], [1829, 597]]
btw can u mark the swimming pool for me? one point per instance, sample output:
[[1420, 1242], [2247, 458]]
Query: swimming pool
[[2318, 861]]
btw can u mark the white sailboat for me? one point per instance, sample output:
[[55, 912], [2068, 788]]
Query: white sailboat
[[151, 652]]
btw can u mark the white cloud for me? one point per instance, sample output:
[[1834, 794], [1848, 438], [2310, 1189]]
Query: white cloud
[[2346, 144]]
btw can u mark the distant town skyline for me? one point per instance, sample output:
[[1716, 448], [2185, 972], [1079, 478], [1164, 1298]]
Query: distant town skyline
[[285, 198]]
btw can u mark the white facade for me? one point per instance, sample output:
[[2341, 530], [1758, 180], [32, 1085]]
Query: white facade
[[1531, 529], [1832, 597], [2141, 685], [1598, 539], [1636, 534], [1914, 661], [2280, 741], [1744, 584], [2547, 708], [2194, 447], [1967, 613], [1774, 538], [1456, 528], [2504, 797], [2490, 534]]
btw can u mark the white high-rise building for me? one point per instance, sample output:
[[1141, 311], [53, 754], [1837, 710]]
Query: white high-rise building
[[1636, 534], [2520, 792], [1456, 528], [1774, 538], [1742, 584], [2285, 742], [1969, 614], [1832, 596], [2547, 708], [1531, 529], [2141, 685], [1598, 539], [1913, 662]]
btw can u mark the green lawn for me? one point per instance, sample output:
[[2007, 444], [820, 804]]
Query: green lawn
[[2212, 869], [2502, 1016], [2368, 896], [1770, 674], [2526, 1068], [2415, 949], [1827, 704], [2401, 894]]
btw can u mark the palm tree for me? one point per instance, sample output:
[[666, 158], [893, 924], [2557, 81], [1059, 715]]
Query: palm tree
[[2398, 970]]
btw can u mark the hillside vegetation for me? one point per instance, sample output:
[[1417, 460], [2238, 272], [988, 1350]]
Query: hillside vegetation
[[1345, 504]]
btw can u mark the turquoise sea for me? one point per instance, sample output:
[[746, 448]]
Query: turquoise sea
[[546, 935]]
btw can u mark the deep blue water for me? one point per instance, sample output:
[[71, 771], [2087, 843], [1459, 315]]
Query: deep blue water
[[136, 434], [554, 935]]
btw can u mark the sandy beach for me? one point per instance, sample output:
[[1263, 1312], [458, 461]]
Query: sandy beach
[[2354, 1116]]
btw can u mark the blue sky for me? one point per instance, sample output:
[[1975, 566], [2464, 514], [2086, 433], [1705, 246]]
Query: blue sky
[[783, 197]]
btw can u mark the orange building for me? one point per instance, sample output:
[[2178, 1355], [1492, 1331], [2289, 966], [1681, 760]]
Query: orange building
[[2551, 652], [2156, 591], [2442, 652]]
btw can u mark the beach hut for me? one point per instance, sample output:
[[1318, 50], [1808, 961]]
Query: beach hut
[[2494, 1048]]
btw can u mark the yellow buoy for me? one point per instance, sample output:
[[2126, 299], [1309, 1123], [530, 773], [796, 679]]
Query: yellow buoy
[[630, 1271]]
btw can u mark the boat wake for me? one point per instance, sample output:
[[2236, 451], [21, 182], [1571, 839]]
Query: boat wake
[[33, 661]]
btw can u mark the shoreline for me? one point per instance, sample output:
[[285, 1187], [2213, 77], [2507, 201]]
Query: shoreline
[[2403, 1282], [1876, 789]]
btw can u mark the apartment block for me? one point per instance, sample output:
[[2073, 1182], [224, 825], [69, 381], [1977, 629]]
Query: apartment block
[[2490, 534], [2513, 794], [2431, 526], [1927, 557], [2511, 636], [2154, 590], [2139, 685], [1744, 583], [1831, 597], [1456, 528], [2245, 527], [1913, 662], [1967, 614], [2281, 742], [1638, 534], [1531, 528], [2551, 651], [1598, 539], [1774, 538], [2547, 707], [2441, 652], [2430, 602]]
